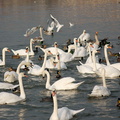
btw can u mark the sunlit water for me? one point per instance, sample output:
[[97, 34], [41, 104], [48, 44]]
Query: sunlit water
[[92, 15]]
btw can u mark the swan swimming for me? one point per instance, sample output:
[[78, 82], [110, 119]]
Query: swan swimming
[[63, 113], [9, 98], [66, 83], [2, 62], [99, 91]]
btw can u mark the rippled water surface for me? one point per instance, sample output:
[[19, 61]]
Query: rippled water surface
[[16, 16]]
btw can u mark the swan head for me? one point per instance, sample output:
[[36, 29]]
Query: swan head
[[6, 49], [108, 46], [22, 74]]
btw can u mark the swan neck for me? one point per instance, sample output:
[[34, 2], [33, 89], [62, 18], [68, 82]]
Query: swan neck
[[44, 62], [41, 33], [55, 109], [31, 48], [22, 92], [3, 56], [104, 80], [94, 61], [48, 80], [18, 68], [106, 56]]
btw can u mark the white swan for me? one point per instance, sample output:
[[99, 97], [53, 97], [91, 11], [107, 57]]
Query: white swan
[[2, 62], [55, 63], [8, 98], [99, 91], [12, 76], [73, 46], [84, 36], [27, 58], [37, 70], [115, 65], [22, 52], [57, 24], [64, 56], [111, 72], [66, 83], [96, 43], [63, 113], [91, 66]]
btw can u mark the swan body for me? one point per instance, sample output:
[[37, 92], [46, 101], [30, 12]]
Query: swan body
[[22, 52], [84, 36], [63, 113], [55, 63], [111, 72], [57, 24], [37, 70], [7, 86], [8, 98], [99, 91], [66, 83], [10, 76], [2, 62], [64, 56]]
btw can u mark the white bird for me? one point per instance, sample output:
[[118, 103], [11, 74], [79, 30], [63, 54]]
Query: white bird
[[115, 65], [71, 24], [22, 52], [9, 98], [3, 60], [12, 76], [66, 83], [63, 113], [57, 24], [37, 70], [50, 28], [111, 72], [31, 31], [84, 36], [99, 91]]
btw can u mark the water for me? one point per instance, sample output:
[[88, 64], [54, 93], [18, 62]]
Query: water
[[92, 15]]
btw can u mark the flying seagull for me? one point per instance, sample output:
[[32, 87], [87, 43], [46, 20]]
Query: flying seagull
[[57, 24]]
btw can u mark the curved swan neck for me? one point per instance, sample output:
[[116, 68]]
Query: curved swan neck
[[48, 80], [103, 78], [106, 55], [22, 92], [44, 62]]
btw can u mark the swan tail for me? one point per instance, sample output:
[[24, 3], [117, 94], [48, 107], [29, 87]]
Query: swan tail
[[74, 112]]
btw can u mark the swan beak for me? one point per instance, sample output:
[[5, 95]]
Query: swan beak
[[118, 102], [53, 93], [96, 33]]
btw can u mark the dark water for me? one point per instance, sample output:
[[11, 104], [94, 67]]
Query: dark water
[[93, 15]]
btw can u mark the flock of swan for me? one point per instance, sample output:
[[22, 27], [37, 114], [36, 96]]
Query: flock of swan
[[56, 58]]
